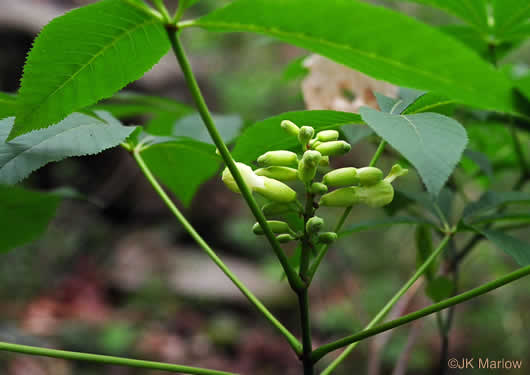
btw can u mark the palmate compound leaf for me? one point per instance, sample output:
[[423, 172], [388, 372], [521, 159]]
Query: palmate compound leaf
[[76, 135], [376, 41], [512, 246], [24, 215], [83, 56], [433, 143]]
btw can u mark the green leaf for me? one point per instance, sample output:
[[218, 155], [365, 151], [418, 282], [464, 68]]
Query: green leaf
[[76, 135], [189, 3], [439, 207], [430, 102], [491, 200], [295, 69], [523, 85], [8, 105], [417, 137], [511, 218], [182, 165], [396, 48], [24, 215], [481, 160], [440, 288], [131, 104], [497, 19], [355, 134], [83, 56], [192, 126], [267, 135], [512, 246], [383, 222]]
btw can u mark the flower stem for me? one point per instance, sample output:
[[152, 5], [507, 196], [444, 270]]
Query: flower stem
[[108, 360], [483, 289], [295, 281], [295, 344]]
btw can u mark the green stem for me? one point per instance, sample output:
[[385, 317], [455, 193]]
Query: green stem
[[159, 5], [303, 302], [295, 344], [105, 359], [325, 349], [303, 299], [384, 311], [294, 280], [322, 253], [378, 153]]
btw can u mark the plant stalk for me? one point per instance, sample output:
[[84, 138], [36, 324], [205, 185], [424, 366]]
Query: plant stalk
[[295, 281], [483, 289], [384, 311], [295, 344], [108, 360]]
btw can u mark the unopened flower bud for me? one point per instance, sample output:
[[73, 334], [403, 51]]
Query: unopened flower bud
[[369, 175], [324, 162], [290, 127], [318, 188], [395, 172], [327, 237], [278, 173], [286, 158], [305, 134], [276, 226], [284, 238], [341, 177], [307, 168], [377, 195], [343, 197], [327, 135], [314, 224], [275, 208], [333, 148], [251, 179], [275, 190]]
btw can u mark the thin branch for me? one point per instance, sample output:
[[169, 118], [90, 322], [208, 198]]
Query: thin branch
[[105, 359], [483, 289]]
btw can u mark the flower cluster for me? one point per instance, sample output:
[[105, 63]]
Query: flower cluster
[[351, 185]]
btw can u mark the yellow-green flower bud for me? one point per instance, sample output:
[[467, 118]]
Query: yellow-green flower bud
[[275, 208], [343, 197], [341, 177], [278, 173], [305, 134], [290, 127], [278, 158], [369, 175], [275, 190], [314, 143], [377, 195], [327, 135], [251, 179], [314, 224], [395, 172], [275, 225], [324, 162], [284, 238], [333, 148], [318, 188], [307, 168], [327, 237]]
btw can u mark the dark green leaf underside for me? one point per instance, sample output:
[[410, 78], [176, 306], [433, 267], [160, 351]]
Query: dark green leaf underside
[[267, 135], [24, 215]]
